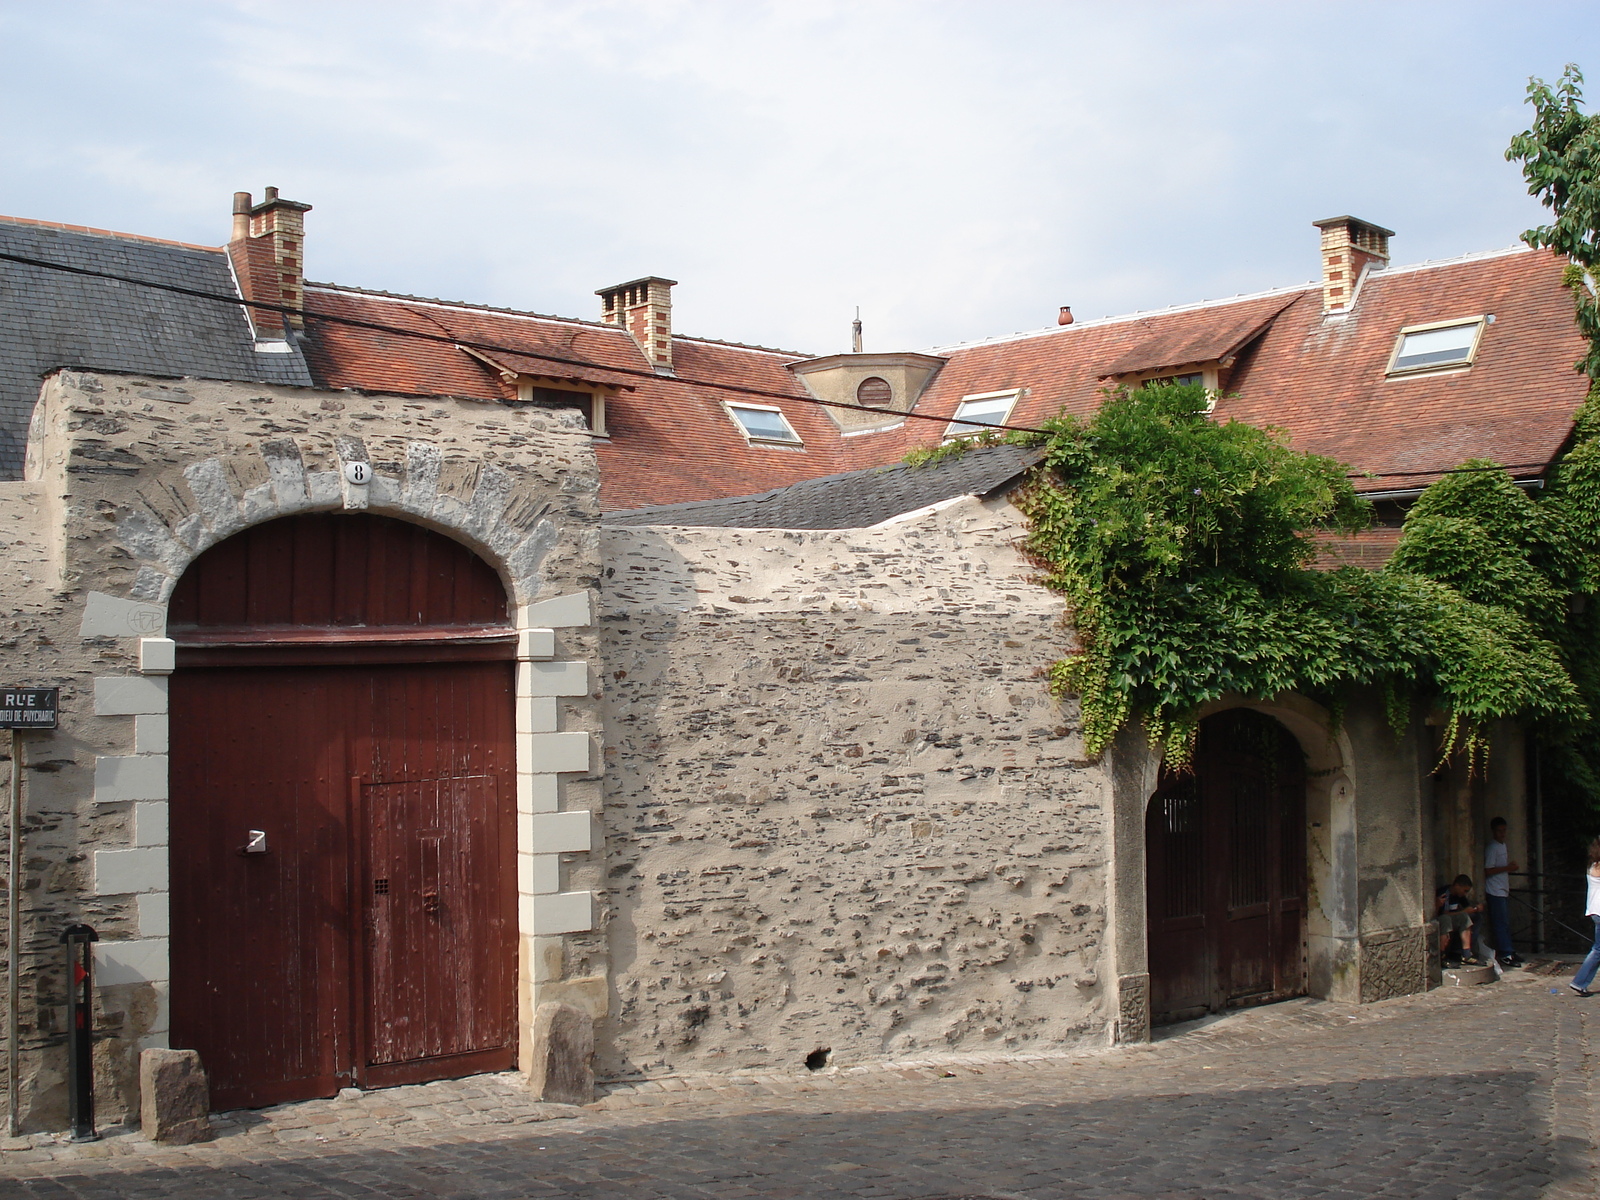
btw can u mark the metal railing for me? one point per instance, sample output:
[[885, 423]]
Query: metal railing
[[1547, 912]]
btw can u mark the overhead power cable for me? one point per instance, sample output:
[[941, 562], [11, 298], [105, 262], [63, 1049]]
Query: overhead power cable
[[486, 347], [494, 347]]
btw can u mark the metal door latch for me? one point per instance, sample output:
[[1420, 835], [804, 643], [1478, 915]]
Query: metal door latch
[[255, 842], [430, 902]]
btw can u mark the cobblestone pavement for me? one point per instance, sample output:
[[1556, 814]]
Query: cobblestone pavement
[[1481, 1092]]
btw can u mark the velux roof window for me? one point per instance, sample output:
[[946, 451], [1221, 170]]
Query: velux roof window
[[1436, 347], [975, 413], [763, 424]]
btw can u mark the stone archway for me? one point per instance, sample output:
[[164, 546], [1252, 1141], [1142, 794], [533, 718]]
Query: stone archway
[[1225, 877], [342, 829], [1331, 918]]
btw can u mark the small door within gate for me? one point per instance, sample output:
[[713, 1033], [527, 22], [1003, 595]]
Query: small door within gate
[[1226, 871]]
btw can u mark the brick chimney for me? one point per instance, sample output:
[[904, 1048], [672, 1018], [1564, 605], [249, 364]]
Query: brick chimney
[[1349, 248], [644, 308], [267, 249]]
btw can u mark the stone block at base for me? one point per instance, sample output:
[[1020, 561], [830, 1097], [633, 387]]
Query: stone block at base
[[174, 1098], [562, 1071], [1467, 976]]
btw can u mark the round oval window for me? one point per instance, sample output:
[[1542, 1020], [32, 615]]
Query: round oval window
[[875, 393]]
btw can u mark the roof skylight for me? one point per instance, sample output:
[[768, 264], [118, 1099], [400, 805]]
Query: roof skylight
[[1433, 347], [976, 413], [763, 424]]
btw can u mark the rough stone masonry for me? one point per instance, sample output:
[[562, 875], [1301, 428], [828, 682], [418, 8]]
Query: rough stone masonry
[[845, 818]]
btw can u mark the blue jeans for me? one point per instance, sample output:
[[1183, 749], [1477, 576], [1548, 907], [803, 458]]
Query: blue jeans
[[1585, 975], [1500, 920]]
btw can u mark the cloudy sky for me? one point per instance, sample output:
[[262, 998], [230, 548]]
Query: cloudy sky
[[956, 169]]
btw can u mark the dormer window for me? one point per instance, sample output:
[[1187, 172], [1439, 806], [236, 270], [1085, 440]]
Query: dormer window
[[1436, 347], [761, 423], [1195, 377], [591, 404], [976, 413]]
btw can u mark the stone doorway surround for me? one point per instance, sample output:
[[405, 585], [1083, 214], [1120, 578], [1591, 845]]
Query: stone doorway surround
[[1366, 921], [138, 477]]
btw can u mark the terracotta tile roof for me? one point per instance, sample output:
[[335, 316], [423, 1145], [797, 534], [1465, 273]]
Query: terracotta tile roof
[[671, 440], [1321, 378]]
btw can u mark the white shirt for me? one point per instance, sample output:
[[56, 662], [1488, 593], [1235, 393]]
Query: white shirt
[[1593, 907], [1496, 856]]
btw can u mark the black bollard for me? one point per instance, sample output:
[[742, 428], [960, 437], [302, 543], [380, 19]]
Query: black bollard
[[78, 940]]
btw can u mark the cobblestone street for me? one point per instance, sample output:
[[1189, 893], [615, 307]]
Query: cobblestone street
[[1486, 1091]]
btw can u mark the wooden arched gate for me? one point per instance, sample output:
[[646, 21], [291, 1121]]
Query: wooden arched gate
[[1225, 850], [342, 813]]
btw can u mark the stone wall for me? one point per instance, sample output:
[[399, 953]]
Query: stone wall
[[129, 480], [843, 812]]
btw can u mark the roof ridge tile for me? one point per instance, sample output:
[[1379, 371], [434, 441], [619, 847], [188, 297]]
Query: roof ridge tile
[[110, 233]]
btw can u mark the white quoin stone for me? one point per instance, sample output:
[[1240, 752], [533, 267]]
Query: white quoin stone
[[536, 644], [559, 752], [553, 679], [536, 714], [538, 874], [129, 695], [158, 656], [562, 912], [120, 872], [537, 794], [112, 616], [150, 733], [139, 960], [155, 914], [150, 823], [574, 611], [561, 833], [119, 777]]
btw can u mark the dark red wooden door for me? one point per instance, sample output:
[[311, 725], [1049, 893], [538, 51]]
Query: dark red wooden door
[[1226, 872], [370, 939]]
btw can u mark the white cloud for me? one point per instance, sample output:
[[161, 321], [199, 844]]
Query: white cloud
[[956, 169]]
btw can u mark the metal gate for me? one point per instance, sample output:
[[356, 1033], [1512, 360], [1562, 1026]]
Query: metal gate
[[1226, 871]]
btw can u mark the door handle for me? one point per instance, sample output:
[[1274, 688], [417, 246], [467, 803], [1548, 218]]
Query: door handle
[[430, 903]]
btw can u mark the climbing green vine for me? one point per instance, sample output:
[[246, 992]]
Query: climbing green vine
[[1184, 549]]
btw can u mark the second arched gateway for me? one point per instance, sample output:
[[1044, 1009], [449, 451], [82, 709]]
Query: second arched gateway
[[1226, 877], [342, 811]]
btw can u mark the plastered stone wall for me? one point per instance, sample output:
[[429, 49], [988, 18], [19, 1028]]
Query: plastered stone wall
[[843, 812], [128, 480]]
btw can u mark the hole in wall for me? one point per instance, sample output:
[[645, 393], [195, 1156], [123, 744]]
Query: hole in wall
[[817, 1059]]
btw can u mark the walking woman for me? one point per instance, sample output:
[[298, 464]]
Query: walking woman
[[1585, 976]]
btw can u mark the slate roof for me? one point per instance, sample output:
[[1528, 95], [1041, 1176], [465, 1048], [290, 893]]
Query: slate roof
[[51, 319], [853, 500]]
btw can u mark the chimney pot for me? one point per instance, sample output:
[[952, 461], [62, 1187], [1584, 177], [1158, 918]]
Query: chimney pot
[[1065, 317]]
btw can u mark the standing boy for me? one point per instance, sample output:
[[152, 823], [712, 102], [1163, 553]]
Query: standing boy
[[1497, 868]]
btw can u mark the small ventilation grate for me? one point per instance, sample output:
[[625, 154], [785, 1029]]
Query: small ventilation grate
[[380, 887]]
